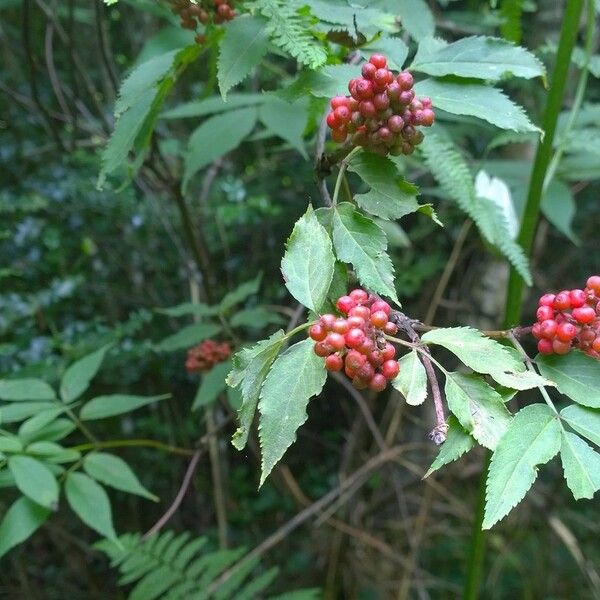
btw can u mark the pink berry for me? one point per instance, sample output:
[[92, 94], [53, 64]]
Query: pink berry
[[364, 89], [405, 80], [578, 298], [359, 296], [338, 101], [379, 319], [354, 338], [594, 283], [585, 314], [327, 320], [317, 332], [548, 328], [561, 347], [378, 61], [368, 70], [364, 312], [565, 332], [381, 305], [562, 301], [544, 313], [545, 347], [547, 300], [390, 369], [334, 362], [389, 351], [378, 382], [336, 341], [345, 304], [341, 326]]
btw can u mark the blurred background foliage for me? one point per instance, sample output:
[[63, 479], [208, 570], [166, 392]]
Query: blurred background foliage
[[80, 268]]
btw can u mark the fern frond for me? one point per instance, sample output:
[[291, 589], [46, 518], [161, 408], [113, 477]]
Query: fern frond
[[512, 12], [174, 567], [289, 31], [452, 173]]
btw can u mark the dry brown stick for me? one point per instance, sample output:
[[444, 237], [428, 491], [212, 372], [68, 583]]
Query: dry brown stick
[[280, 534]]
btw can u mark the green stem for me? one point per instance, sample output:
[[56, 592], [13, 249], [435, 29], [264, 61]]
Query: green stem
[[568, 35], [340, 177], [298, 329], [134, 443]]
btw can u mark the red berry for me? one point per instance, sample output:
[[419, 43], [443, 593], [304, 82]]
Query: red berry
[[345, 304], [427, 117], [364, 89], [327, 320], [406, 97], [338, 101], [393, 91], [578, 298], [562, 301], [366, 372], [341, 326], [390, 369], [561, 347], [360, 311], [336, 341], [381, 76], [381, 101], [405, 80], [545, 347], [322, 349], [565, 332], [587, 335], [379, 319], [594, 283], [395, 123], [378, 382], [544, 313], [359, 296], [547, 300], [354, 338], [376, 358], [536, 331], [390, 328], [385, 135], [334, 362], [389, 351], [381, 305], [332, 121], [368, 70], [317, 332], [426, 102], [355, 360], [585, 314], [342, 114], [356, 322], [367, 109], [379, 61], [548, 328], [366, 347]]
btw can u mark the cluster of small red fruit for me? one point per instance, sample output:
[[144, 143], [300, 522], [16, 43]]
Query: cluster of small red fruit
[[570, 319], [381, 113], [205, 356], [203, 11], [356, 342]]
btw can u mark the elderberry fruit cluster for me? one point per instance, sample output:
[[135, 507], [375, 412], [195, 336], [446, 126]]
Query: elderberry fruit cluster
[[382, 113], [205, 356], [570, 319], [356, 342], [202, 11]]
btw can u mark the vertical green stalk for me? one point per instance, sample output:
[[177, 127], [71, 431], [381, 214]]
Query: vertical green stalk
[[568, 35]]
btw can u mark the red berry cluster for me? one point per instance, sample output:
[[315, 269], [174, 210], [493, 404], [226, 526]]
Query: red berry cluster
[[570, 319], [357, 343], [202, 11], [382, 112], [205, 356]]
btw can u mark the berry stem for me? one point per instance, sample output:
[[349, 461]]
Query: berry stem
[[343, 166]]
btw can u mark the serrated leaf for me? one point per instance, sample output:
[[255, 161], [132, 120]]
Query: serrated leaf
[[20, 521], [411, 381], [187, 337], [581, 465], [478, 57], [493, 189], [241, 49], [480, 101], [285, 120], [240, 293], [78, 376], [295, 377], [478, 406], [308, 263], [250, 367], [532, 439], [524, 380], [457, 443], [115, 404], [16, 390], [114, 472], [35, 480], [90, 503], [416, 17], [217, 136], [391, 196], [585, 421], [213, 383], [358, 241], [480, 353], [576, 375]]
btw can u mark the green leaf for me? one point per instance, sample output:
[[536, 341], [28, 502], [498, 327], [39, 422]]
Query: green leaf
[[54, 431], [12, 413], [240, 293], [558, 206], [457, 443], [53, 452], [481, 101], [256, 318], [478, 406], [585, 421], [524, 380], [393, 48], [197, 309], [390, 197], [296, 376], [478, 57], [90, 503], [10, 443], [308, 263], [480, 353], [416, 17], [215, 137], [357, 240], [15, 390], [576, 375], [214, 104], [187, 337], [78, 376], [250, 367], [114, 472], [241, 49], [41, 419], [115, 404], [285, 120], [329, 81], [35, 480], [213, 383], [532, 439], [20, 521], [411, 381], [581, 465]]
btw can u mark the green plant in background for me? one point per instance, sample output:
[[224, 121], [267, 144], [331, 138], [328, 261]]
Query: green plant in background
[[267, 80]]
